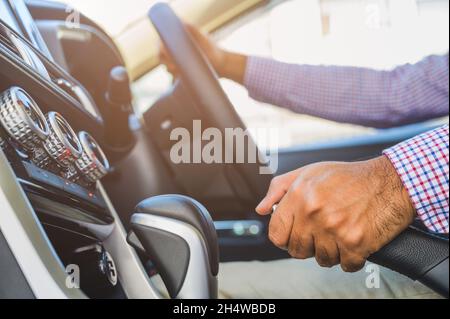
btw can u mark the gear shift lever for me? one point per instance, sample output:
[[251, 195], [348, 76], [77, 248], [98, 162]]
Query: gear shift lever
[[119, 100], [178, 234]]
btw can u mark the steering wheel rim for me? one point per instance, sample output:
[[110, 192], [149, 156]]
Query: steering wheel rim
[[201, 80]]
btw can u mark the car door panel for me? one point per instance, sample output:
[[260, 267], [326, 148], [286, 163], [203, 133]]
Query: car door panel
[[353, 149]]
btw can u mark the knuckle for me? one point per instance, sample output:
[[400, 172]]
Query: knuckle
[[332, 223], [324, 263], [310, 207], [276, 240], [296, 249], [345, 267], [323, 258], [315, 200], [298, 253], [275, 226], [275, 234], [353, 266], [354, 239], [275, 182], [297, 189]]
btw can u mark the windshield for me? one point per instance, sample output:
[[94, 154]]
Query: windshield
[[113, 16]]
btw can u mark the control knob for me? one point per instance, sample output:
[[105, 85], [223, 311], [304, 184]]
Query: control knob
[[62, 145], [22, 119], [93, 163]]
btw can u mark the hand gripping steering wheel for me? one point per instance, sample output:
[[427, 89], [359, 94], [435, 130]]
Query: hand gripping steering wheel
[[203, 84]]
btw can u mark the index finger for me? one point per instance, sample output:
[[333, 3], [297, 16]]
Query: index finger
[[277, 189]]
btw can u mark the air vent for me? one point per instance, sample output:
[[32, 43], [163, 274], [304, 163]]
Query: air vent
[[78, 93], [6, 41], [23, 51], [65, 85], [50, 71]]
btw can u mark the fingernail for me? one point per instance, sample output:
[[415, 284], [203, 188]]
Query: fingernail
[[260, 206]]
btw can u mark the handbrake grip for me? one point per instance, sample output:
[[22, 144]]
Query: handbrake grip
[[420, 256]]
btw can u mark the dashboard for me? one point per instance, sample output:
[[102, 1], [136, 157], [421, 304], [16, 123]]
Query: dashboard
[[73, 164], [25, 40], [46, 145], [48, 150], [72, 169], [20, 19], [51, 134]]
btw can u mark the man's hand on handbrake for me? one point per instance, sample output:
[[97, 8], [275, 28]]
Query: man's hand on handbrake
[[339, 213]]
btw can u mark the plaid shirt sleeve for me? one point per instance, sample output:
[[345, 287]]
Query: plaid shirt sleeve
[[407, 94], [423, 165]]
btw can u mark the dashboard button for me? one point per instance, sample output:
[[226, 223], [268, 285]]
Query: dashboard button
[[43, 176], [83, 193]]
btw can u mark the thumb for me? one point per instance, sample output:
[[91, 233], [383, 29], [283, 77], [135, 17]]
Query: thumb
[[278, 188], [272, 198]]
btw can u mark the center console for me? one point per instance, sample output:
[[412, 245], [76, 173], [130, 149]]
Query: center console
[[52, 160], [56, 146], [58, 170]]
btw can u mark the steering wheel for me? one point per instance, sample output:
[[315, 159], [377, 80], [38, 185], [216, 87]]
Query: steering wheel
[[415, 253], [202, 82]]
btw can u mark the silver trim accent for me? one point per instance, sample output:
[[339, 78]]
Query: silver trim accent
[[132, 275], [80, 94], [101, 232], [90, 165], [17, 121], [197, 283], [38, 260], [28, 241], [26, 20], [28, 56], [111, 270], [58, 145]]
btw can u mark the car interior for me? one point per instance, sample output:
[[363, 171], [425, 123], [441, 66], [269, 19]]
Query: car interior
[[87, 181]]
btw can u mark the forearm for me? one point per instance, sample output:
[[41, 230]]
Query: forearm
[[354, 95]]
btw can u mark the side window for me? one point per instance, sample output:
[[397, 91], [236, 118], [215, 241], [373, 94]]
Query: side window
[[333, 32], [337, 32]]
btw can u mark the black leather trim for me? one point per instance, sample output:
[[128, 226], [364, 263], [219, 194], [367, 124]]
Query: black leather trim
[[169, 252]]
